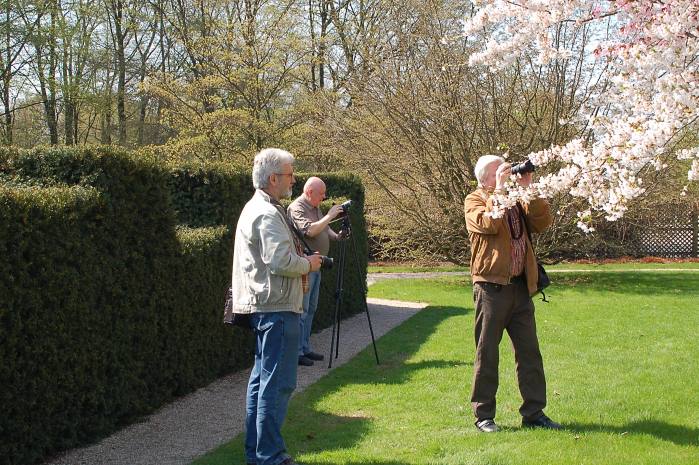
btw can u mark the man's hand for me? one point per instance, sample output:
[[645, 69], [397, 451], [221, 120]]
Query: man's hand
[[314, 260], [334, 211], [502, 175]]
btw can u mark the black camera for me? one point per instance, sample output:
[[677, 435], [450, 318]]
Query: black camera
[[326, 263], [345, 209], [523, 168]]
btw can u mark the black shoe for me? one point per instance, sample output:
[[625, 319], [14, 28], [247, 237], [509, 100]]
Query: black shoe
[[314, 356], [289, 461], [542, 422], [305, 361], [487, 426]]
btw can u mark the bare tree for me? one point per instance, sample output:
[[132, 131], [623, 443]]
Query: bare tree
[[12, 61], [419, 118], [45, 24], [121, 27], [77, 25]]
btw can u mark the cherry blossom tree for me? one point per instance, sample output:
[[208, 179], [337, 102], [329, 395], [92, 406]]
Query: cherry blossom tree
[[644, 111]]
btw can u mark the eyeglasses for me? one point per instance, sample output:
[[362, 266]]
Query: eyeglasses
[[285, 174]]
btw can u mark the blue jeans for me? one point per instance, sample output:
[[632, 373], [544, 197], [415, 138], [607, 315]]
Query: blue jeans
[[310, 304], [272, 380]]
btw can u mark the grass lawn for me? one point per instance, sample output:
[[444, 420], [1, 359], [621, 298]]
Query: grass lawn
[[417, 268], [622, 362], [624, 266]]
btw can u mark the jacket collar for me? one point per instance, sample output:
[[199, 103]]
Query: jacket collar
[[266, 197]]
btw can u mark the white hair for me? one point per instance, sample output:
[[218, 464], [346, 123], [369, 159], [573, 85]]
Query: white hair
[[482, 164], [268, 162]]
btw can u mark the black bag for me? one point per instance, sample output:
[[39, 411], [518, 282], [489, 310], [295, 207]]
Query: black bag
[[235, 319], [542, 278]]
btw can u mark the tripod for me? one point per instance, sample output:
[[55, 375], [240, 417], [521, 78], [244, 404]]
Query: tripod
[[335, 340]]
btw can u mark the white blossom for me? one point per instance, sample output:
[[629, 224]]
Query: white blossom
[[653, 72]]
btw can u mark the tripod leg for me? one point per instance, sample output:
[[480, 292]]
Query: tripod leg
[[366, 306], [338, 302], [340, 290]]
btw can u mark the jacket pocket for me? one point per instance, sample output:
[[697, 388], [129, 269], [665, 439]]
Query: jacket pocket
[[279, 290]]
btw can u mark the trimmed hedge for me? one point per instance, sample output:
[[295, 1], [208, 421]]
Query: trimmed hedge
[[214, 194], [48, 318], [108, 309]]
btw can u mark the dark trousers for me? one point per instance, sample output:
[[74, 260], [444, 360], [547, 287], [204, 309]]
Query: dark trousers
[[498, 308]]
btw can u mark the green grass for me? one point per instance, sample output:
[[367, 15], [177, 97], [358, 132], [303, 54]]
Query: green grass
[[628, 266], [622, 365], [416, 268]]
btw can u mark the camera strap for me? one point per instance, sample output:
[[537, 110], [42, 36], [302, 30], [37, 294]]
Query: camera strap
[[540, 268], [298, 242], [306, 248]]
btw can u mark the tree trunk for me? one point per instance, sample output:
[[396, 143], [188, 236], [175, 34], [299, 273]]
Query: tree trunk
[[47, 84], [8, 123], [106, 121], [143, 106], [7, 78], [68, 102], [119, 45]]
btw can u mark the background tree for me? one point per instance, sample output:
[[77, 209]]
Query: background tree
[[637, 119], [420, 117], [388, 89]]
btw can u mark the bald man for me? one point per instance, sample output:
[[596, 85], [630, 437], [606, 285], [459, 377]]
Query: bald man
[[306, 214]]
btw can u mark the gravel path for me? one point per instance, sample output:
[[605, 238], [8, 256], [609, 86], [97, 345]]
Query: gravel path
[[213, 415]]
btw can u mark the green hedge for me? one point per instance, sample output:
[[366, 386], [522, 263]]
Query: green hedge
[[213, 194], [48, 318], [108, 309]]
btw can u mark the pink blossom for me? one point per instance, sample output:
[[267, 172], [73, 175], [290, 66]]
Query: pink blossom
[[653, 92]]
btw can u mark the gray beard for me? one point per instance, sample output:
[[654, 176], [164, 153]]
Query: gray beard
[[287, 194]]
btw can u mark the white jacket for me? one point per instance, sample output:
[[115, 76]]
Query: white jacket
[[267, 269]]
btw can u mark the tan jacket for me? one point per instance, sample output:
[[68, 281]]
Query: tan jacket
[[491, 239]]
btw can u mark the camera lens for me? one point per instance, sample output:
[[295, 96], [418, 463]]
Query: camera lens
[[523, 168], [326, 263]]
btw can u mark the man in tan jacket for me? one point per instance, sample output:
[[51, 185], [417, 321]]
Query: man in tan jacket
[[504, 274]]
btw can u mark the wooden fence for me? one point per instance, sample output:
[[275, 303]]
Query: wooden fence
[[673, 233]]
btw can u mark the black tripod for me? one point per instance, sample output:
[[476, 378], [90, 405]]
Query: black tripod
[[335, 340]]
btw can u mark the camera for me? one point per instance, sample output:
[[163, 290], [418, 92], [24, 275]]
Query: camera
[[345, 209], [326, 263], [523, 168]]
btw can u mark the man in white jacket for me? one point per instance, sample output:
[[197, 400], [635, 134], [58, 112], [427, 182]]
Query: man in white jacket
[[268, 265]]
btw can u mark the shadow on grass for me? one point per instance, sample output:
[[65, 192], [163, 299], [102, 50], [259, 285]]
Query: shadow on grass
[[301, 433], [344, 462], [677, 434], [308, 430], [640, 283], [396, 348], [314, 431]]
